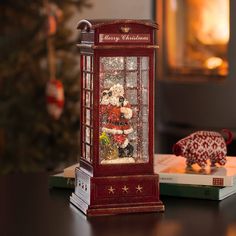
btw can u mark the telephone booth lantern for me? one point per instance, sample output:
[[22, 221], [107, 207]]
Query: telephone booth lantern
[[117, 78]]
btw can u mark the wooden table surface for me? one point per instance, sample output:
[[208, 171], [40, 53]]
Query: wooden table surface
[[28, 207]]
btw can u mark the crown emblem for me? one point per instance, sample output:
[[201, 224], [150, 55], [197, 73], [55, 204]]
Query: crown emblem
[[125, 29]]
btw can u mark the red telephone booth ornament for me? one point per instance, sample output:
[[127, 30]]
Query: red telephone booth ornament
[[117, 78]]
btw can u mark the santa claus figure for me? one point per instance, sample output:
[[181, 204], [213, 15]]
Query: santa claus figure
[[118, 112]]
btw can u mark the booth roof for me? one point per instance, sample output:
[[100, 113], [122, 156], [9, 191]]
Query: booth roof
[[93, 24]]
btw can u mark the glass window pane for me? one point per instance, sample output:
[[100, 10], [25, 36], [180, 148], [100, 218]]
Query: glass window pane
[[91, 135], [145, 131], [133, 135], [131, 63], [145, 113], [88, 80], [91, 64], [145, 151], [145, 96], [91, 81], [123, 110], [112, 63], [113, 78], [88, 63], [84, 133], [131, 79], [88, 117], [88, 99], [132, 96], [144, 63], [145, 77], [84, 80], [87, 135], [84, 61], [83, 115], [91, 97], [91, 117], [88, 153]]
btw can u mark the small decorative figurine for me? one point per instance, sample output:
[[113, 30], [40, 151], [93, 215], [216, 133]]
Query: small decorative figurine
[[116, 173], [55, 98], [117, 112], [54, 88], [203, 145]]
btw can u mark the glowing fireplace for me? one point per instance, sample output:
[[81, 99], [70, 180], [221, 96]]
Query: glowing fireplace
[[196, 35]]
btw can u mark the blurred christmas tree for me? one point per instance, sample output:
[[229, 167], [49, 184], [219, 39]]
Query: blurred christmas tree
[[29, 138]]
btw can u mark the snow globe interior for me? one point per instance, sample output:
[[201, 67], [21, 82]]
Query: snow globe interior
[[123, 109]]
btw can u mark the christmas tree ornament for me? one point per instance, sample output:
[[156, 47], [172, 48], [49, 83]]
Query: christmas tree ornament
[[117, 77], [201, 146], [54, 16], [54, 87], [55, 98]]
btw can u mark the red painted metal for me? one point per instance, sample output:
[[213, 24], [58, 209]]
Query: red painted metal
[[127, 38]]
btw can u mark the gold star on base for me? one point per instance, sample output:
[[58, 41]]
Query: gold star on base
[[125, 189], [111, 190], [139, 188]]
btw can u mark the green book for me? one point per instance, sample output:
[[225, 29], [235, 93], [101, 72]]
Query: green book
[[197, 191], [60, 181]]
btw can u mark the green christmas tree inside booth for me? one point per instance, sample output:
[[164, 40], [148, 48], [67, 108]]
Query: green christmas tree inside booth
[[36, 46]]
